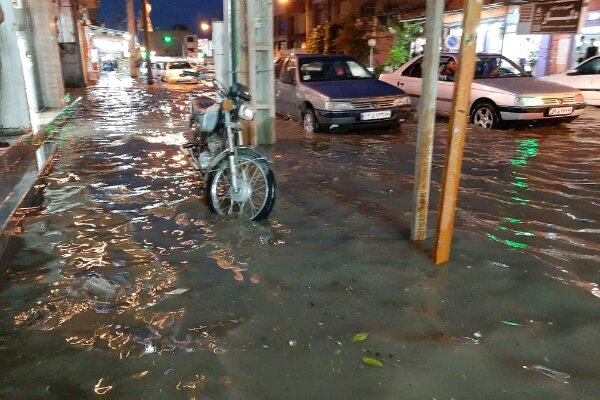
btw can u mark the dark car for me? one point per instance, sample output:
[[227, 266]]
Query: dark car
[[325, 91]]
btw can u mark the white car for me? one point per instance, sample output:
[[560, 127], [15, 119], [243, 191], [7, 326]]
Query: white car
[[500, 92], [585, 77], [157, 68], [174, 69]]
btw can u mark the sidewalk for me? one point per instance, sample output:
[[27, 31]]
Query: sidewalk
[[22, 162]]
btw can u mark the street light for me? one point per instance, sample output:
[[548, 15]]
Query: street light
[[372, 43], [205, 27]]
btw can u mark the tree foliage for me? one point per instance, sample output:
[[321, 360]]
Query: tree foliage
[[405, 34], [347, 36], [316, 40]]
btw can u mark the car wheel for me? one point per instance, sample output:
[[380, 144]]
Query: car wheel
[[309, 121], [485, 115]]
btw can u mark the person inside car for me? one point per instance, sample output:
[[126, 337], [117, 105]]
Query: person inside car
[[449, 70]]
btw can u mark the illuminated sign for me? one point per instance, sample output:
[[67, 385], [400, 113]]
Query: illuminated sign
[[555, 17]]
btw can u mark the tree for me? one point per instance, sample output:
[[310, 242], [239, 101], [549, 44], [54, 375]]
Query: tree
[[351, 38], [316, 40], [347, 36], [405, 34]]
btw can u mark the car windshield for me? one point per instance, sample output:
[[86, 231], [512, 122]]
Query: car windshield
[[180, 65], [496, 67], [321, 70]]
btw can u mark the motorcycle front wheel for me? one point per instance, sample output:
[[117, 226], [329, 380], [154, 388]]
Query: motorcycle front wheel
[[255, 196]]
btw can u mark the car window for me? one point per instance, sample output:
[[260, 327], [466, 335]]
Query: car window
[[496, 67], [277, 67], [414, 70], [288, 75], [331, 69], [180, 65], [591, 67]]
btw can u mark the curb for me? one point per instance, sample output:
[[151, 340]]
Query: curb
[[38, 154]]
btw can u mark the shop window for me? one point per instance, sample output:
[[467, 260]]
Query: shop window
[[368, 9]]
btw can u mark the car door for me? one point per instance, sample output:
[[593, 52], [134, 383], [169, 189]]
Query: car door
[[411, 82], [285, 93]]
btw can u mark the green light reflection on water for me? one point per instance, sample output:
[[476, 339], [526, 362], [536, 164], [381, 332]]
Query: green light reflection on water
[[526, 148]]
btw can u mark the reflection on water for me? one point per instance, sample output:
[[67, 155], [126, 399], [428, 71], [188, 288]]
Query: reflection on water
[[125, 286]]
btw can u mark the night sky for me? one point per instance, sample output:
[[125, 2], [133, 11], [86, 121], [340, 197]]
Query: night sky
[[165, 13]]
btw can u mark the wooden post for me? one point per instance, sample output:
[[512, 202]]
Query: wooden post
[[425, 129], [459, 118], [149, 77]]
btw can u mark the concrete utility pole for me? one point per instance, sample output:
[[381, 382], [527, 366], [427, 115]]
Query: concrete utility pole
[[149, 77], [251, 38], [132, 33], [425, 129], [459, 117]]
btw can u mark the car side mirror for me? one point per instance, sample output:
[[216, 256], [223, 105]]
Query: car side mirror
[[388, 69], [571, 72]]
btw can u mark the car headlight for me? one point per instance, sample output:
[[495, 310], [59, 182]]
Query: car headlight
[[246, 112], [578, 98], [402, 101], [529, 101], [338, 105]]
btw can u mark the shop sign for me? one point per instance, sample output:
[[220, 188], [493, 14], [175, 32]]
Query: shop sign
[[557, 17], [593, 18]]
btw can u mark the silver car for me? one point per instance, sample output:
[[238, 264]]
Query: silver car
[[326, 91], [501, 92]]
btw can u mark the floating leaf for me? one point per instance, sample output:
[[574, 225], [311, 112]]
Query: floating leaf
[[337, 352], [510, 323], [359, 337], [372, 361]]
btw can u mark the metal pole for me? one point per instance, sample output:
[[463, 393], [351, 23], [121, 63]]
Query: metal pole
[[229, 21], [457, 130], [131, 29], [149, 77], [426, 125]]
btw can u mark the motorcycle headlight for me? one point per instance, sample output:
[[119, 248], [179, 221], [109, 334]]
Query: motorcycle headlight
[[402, 101], [338, 105], [246, 112], [529, 101]]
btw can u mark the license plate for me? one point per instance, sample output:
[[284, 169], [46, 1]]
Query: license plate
[[375, 115], [560, 111]]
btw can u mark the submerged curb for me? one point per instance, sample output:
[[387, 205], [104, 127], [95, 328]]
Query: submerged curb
[[25, 170]]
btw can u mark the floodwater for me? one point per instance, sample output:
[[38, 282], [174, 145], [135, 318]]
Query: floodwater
[[124, 285]]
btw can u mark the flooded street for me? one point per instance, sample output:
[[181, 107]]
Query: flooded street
[[125, 286]]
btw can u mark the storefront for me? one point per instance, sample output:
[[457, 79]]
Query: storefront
[[524, 50], [590, 31], [490, 32]]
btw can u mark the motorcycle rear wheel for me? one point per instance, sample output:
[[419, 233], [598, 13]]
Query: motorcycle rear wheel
[[256, 188]]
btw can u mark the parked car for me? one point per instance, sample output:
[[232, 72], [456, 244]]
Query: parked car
[[157, 68], [173, 69], [325, 91], [501, 92], [585, 77]]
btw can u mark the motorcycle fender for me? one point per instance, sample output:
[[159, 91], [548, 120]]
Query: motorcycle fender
[[259, 154]]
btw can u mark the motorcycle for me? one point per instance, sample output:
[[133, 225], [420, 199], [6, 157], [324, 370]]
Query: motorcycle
[[237, 177]]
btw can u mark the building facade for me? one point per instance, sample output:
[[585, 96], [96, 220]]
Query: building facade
[[30, 68]]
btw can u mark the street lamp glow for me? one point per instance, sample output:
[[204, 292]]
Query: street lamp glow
[[204, 26]]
